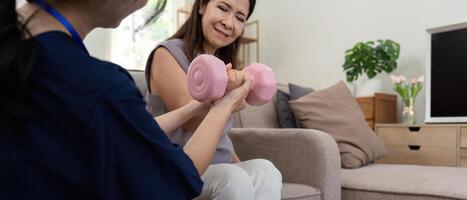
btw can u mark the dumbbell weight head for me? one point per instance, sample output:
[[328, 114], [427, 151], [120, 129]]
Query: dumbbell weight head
[[264, 84], [207, 78]]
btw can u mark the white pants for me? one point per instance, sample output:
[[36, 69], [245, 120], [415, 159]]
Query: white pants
[[256, 179]]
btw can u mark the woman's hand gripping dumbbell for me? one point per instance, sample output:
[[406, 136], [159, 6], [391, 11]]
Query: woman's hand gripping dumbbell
[[207, 80]]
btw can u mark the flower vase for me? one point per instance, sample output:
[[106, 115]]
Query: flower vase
[[408, 114]]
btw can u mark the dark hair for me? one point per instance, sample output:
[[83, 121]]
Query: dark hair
[[16, 59], [192, 35]]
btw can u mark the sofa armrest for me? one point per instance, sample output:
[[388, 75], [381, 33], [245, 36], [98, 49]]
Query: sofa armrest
[[305, 156]]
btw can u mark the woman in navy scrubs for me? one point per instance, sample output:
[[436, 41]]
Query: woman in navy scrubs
[[75, 127]]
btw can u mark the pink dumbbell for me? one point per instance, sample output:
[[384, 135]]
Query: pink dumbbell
[[207, 80]]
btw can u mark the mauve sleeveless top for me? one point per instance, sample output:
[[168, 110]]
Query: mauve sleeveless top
[[156, 106]]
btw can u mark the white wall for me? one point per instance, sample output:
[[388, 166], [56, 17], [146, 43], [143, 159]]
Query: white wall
[[305, 40]]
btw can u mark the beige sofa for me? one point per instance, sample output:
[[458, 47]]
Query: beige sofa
[[310, 164], [308, 159], [304, 156]]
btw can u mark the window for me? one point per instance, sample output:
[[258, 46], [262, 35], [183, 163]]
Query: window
[[126, 47], [131, 49]]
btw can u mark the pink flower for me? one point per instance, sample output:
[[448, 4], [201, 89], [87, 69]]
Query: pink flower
[[395, 79], [421, 79], [402, 78], [413, 81]]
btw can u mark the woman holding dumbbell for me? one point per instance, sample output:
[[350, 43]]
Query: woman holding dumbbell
[[75, 127], [213, 27]]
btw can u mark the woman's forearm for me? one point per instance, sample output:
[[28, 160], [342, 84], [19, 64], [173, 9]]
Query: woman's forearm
[[202, 145], [174, 119], [235, 80], [191, 124]]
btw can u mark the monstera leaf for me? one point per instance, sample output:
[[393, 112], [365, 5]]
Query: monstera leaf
[[370, 59]]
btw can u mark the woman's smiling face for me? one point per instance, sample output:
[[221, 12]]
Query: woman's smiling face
[[223, 22]]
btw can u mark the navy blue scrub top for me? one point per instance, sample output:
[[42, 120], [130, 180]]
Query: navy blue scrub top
[[91, 137]]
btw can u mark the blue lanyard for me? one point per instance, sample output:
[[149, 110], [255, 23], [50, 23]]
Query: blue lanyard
[[59, 17]]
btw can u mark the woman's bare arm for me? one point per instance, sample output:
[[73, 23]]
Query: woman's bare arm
[[174, 119], [168, 79], [203, 144]]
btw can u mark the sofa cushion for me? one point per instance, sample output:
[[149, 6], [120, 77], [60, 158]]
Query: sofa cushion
[[284, 114], [335, 111], [384, 180], [297, 91], [294, 191], [263, 116], [350, 194]]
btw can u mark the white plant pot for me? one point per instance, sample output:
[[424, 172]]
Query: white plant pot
[[368, 87]]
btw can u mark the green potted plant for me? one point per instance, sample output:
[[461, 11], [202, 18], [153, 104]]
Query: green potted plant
[[370, 59]]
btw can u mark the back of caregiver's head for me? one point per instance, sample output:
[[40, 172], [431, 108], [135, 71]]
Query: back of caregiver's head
[[17, 54]]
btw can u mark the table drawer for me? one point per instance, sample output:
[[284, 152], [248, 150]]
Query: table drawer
[[426, 136], [464, 157], [464, 137], [421, 155]]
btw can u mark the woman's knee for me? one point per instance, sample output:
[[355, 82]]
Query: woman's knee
[[234, 174], [229, 181], [263, 168], [267, 179]]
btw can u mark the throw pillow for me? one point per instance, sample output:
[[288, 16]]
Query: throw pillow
[[335, 111], [297, 91], [284, 114]]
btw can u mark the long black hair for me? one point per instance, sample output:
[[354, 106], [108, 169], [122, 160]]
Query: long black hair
[[16, 58]]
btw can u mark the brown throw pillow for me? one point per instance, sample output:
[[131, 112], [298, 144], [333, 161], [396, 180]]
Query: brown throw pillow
[[335, 111]]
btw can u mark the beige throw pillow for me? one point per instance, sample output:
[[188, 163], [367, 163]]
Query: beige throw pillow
[[335, 111]]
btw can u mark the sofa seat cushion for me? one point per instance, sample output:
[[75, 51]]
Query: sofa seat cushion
[[406, 180], [294, 191], [350, 194]]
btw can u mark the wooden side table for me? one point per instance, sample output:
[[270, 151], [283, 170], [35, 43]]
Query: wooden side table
[[380, 108], [426, 144]]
